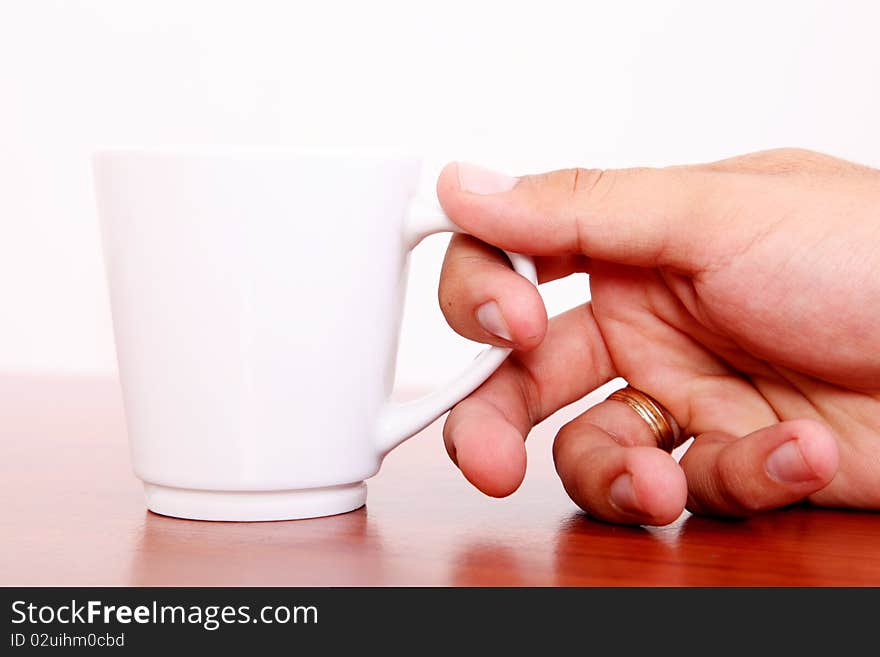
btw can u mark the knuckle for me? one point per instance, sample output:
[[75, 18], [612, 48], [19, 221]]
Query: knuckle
[[529, 387], [575, 180], [591, 189], [791, 153], [782, 161], [791, 160], [585, 181], [595, 186]]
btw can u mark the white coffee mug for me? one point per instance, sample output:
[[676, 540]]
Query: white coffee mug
[[256, 298]]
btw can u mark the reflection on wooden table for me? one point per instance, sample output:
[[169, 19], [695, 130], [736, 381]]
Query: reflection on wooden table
[[75, 515]]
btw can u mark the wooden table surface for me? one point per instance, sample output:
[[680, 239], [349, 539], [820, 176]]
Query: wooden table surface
[[73, 514]]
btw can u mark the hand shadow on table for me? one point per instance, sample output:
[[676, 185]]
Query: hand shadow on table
[[342, 550], [793, 546], [493, 564], [582, 552], [589, 552]]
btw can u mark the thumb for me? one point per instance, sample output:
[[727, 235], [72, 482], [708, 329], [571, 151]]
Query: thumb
[[644, 217]]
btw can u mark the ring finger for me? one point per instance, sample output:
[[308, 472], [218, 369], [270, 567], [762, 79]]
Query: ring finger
[[610, 465]]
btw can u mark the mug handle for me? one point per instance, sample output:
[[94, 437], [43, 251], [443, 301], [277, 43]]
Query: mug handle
[[399, 421]]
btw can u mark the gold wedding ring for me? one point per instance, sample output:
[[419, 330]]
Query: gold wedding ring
[[661, 422]]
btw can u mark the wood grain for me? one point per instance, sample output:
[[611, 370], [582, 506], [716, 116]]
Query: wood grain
[[73, 514]]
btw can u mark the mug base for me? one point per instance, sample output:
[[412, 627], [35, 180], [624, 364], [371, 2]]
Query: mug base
[[254, 506]]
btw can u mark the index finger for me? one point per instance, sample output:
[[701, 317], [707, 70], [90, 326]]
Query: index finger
[[485, 433]]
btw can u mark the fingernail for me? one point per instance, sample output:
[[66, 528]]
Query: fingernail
[[490, 318], [479, 180], [787, 465], [623, 494]]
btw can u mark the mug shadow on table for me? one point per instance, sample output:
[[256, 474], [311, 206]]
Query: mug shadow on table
[[334, 551]]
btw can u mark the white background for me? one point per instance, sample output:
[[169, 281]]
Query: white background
[[518, 86]]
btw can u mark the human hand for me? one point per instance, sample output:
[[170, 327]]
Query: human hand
[[743, 295]]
